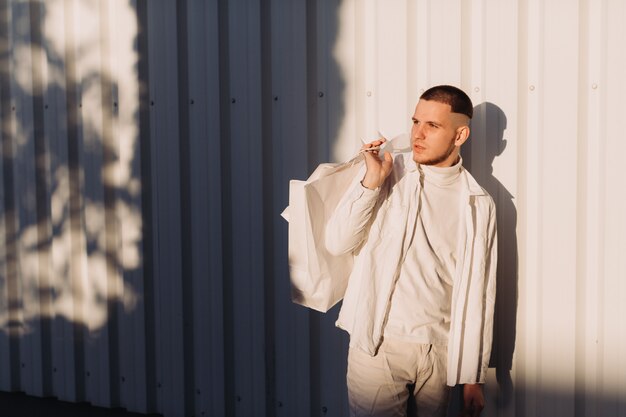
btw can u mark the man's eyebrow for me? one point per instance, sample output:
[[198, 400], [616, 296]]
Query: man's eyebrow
[[427, 121]]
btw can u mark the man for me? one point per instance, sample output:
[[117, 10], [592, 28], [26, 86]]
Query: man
[[419, 301]]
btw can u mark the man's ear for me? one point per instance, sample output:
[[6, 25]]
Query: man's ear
[[462, 134]]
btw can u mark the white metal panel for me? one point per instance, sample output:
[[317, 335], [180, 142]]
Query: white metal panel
[[556, 330], [590, 203], [443, 58], [391, 67], [338, 77], [365, 80], [610, 86]]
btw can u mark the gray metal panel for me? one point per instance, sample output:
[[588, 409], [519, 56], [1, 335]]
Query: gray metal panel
[[96, 335], [5, 137], [26, 203], [164, 136], [5, 356], [244, 169], [204, 158], [288, 158], [62, 337], [128, 302], [91, 159]]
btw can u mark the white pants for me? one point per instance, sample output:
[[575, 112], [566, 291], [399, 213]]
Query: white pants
[[380, 385]]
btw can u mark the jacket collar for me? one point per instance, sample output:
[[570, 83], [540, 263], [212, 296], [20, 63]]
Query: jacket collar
[[472, 185]]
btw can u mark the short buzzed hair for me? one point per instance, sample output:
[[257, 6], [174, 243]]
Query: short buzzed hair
[[454, 97]]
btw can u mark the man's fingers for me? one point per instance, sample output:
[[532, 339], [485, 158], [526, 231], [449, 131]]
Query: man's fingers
[[374, 144]]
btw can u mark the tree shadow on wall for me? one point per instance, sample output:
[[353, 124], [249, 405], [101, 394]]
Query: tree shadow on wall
[[63, 275]]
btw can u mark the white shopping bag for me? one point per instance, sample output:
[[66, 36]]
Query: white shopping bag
[[318, 279]]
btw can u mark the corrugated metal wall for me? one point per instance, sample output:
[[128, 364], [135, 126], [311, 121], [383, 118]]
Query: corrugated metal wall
[[146, 152]]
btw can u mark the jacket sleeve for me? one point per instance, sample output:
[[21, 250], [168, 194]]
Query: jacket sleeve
[[471, 331], [491, 261], [347, 227], [489, 297]]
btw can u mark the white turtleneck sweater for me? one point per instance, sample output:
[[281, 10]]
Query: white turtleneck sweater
[[420, 304]]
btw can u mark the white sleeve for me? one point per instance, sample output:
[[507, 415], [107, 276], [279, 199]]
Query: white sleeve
[[346, 229]]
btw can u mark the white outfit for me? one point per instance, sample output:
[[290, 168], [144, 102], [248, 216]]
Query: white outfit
[[377, 386], [377, 226], [420, 304]]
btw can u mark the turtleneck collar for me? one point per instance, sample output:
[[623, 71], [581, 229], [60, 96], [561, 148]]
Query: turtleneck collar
[[441, 175]]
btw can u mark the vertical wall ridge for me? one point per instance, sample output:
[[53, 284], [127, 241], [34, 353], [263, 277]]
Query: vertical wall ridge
[[72, 110], [185, 197], [10, 220], [146, 204], [269, 210], [110, 178], [227, 208]]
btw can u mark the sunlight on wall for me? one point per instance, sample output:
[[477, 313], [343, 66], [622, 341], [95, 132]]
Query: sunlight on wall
[[372, 76], [345, 144]]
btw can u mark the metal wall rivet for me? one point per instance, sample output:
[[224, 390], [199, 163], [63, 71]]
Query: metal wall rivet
[[531, 88], [320, 94], [594, 86], [477, 89], [275, 98], [369, 93], [233, 100], [324, 409], [191, 101]]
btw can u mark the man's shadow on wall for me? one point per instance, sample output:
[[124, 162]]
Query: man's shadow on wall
[[486, 143]]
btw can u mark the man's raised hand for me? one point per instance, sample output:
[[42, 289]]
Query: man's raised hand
[[377, 170]]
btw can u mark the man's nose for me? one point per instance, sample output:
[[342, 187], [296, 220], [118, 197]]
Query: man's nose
[[418, 132]]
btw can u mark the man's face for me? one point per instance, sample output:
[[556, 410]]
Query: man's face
[[437, 133]]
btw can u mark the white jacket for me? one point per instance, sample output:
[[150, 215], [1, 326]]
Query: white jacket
[[376, 227]]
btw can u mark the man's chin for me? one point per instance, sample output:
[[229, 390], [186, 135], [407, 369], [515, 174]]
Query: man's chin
[[419, 159], [422, 160]]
